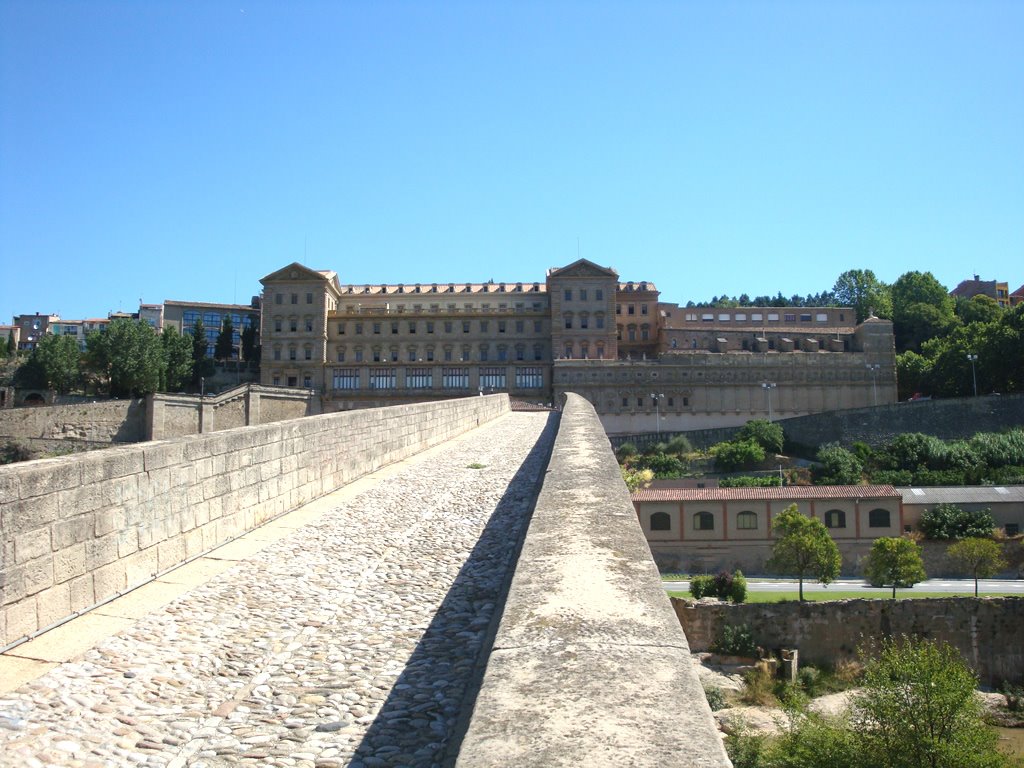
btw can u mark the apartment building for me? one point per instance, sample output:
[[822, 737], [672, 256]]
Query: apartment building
[[643, 363]]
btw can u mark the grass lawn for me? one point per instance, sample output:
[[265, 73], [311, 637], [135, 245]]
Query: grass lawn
[[824, 595]]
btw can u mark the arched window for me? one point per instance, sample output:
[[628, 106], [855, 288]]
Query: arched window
[[835, 518], [746, 521], [660, 521], [704, 521], [878, 518]]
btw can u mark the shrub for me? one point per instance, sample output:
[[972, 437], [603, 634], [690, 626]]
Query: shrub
[[837, 466], [737, 455], [626, 451], [937, 477], [661, 464], [767, 434], [679, 444], [892, 477], [735, 641], [948, 521], [810, 680], [758, 686], [863, 452], [738, 588], [13, 451], [911, 450], [702, 586], [715, 697]]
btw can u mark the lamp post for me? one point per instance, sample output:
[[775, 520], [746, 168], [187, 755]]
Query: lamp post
[[874, 376], [974, 376], [768, 386], [657, 412]]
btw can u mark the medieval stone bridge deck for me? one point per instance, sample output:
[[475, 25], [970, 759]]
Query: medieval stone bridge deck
[[353, 639]]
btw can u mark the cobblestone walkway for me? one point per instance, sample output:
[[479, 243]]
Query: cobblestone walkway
[[352, 641]]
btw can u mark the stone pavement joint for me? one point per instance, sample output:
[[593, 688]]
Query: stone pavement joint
[[351, 640]]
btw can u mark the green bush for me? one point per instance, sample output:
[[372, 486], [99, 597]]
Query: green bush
[[892, 477], [715, 697], [663, 465], [679, 444], [747, 481], [626, 451], [735, 641], [948, 521], [837, 466], [767, 434], [702, 586], [737, 455], [863, 452]]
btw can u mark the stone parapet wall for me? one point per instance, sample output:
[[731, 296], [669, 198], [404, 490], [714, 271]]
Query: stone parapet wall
[[105, 421], [589, 665], [246, 405], [986, 631], [77, 530]]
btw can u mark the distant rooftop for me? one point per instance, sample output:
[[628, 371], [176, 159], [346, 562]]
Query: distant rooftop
[[783, 493]]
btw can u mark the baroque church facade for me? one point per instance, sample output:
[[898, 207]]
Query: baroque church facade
[[646, 365]]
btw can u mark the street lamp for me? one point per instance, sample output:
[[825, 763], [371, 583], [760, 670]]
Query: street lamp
[[657, 412], [974, 376], [874, 375], [768, 386]]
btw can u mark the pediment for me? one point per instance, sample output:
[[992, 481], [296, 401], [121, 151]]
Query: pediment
[[584, 268], [294, 272]]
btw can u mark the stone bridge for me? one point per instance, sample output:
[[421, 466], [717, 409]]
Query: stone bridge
[[441, 584]]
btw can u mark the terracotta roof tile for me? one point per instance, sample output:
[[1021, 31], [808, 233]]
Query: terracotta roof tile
[[784, 493]]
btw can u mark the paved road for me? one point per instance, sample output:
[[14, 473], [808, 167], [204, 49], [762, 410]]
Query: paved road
[[1015, 586]]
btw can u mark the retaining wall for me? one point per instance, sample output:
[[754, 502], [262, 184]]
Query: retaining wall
[[949, 419], [105, 421], [589, 665], [76, 530], [987, 631]]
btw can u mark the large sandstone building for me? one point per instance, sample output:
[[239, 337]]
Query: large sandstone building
[[646, 365]]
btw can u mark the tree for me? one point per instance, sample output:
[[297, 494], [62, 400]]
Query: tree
[[250, 349], [948, 521], [981, 558], [803, 548], [11, 348], [765, 433], [59, 360], [918, 710], [895, 561], [837, 466], [860, 289], [921, 309], [978, 309], [178, 359], [130, 355], [225, 346], [202, 365]]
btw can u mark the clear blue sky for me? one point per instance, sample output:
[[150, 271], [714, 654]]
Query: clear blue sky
[[169, 150]]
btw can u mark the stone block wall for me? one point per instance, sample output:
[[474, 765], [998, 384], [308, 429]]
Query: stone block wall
[[76, 530], [589, 665], [106, 421], [986, 631]]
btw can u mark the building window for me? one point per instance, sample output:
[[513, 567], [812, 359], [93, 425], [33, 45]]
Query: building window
[[455, 378], [419, 378], [465, 326], [359, 329], [520, 353], [394, 354], [599, 322], [430, 326], [584, 321], [538, 352], [277, 326], [309, 325], [519, 326], [394, 327], [492, 378], [277, 353], [447, 326], [293, 325], [295, 298], [376, 328], [277, 379], [309, 353], [529, 378], [599, 294], [704, 521], [660, 521], [412, 355], [293, 381], [309, 298], [430, 354], [359, 355], [412, 326], [835, 518], [341, 329], [279, 299], [501, 326], [789, 317], [292, 354], [382, 378], [307, 381], [625, 402], [643, 309], [630, 309], [537, 326], [878, 518], [465, 354], [341, 355], [483, 353], [502, 353], [568, 294], [746, 521], [447, 354], [483, 326], [568, 351], [346, 378]]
